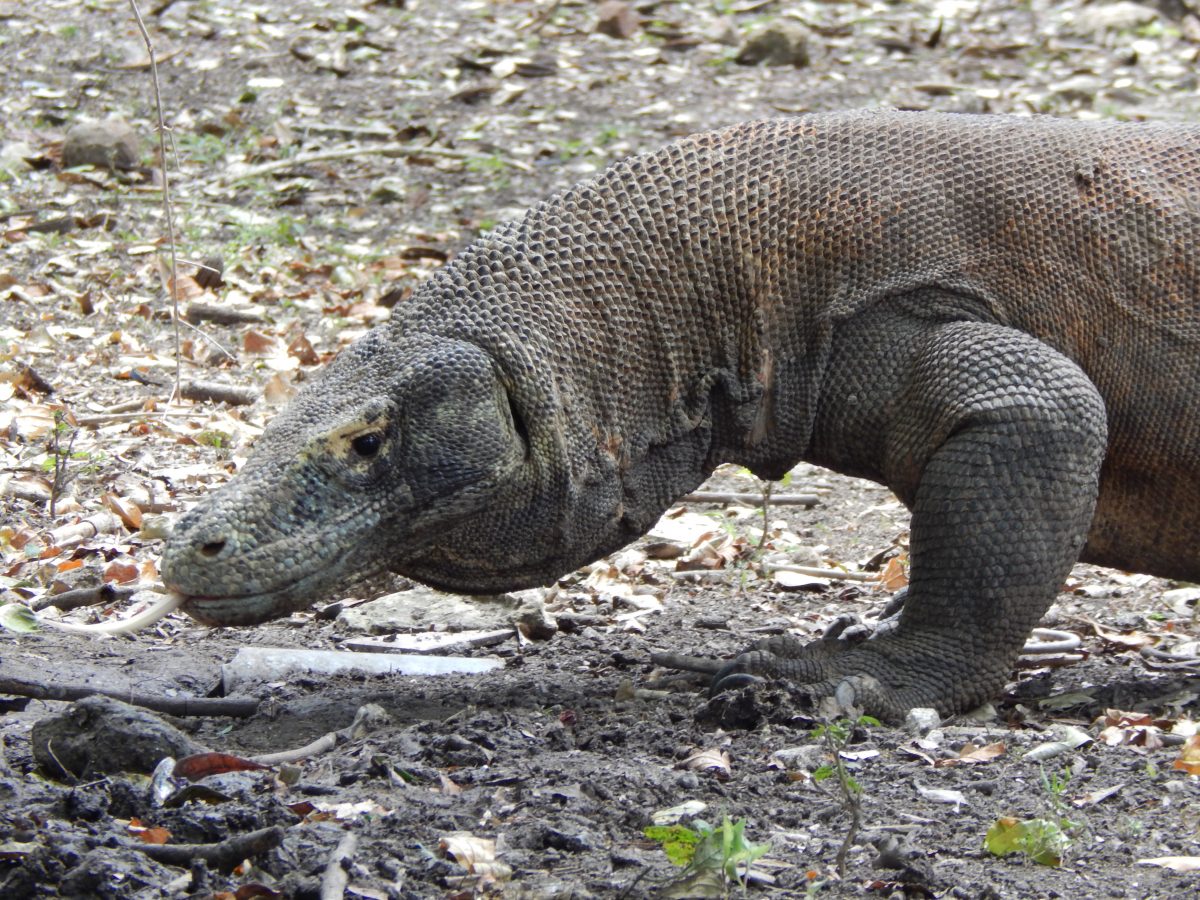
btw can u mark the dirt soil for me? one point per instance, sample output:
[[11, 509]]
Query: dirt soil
[[332, 154]]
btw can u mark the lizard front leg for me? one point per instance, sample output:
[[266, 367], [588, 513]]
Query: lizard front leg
[[995, 442]]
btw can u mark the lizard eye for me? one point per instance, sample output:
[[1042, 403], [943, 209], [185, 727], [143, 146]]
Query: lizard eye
[[367, 445]]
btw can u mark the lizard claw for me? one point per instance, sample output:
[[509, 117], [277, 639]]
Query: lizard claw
[[846, 630], [730, 679]]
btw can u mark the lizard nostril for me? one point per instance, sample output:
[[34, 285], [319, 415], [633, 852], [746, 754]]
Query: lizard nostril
[[212, 548]]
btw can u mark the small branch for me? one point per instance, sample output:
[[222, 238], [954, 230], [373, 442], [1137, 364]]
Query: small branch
[[219, 393], [536, 22], [223, 315], [78, 532], [166, 191], [398, 151], [365, 719], [105, 418], [175, 706], [62, 456], [816, 572], [749, 499], [335, 877], [224, 855], [88, 596]]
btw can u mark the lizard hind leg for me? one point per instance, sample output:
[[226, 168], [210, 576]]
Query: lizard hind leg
[[994, 440]]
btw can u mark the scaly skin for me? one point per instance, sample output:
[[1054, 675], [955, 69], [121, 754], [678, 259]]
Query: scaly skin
[[998, 318]]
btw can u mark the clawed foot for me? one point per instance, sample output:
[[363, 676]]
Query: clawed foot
[[844, 632], [884, 671]]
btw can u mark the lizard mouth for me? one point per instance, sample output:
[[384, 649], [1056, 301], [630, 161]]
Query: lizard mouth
[[250, 609]]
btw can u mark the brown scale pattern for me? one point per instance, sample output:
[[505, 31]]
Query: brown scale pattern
[[997, 317]]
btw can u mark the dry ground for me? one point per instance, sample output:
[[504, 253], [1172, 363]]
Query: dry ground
[[451, 116]]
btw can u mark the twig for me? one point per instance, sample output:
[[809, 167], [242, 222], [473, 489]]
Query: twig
[[335, 877], [62, 457], [175, 706], [78, 532], [223, 315], [835, 735], [536, 22], [210, 339], [105, 418], [816, 572], [219, 393], [750, 499], [224, 855], [394, 150], [366, 718], [88, 596], [166, 192]]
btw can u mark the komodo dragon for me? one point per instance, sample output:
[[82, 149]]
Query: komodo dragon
[[998, 318]]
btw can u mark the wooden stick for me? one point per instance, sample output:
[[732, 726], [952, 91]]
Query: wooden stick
[[87, 596], [78, 532], [168, 210], [219, 393], [224, 315], [335, 878], [822, 573], [394, 150], [364, 720], [175, 706], [750, 499], [224, 855]]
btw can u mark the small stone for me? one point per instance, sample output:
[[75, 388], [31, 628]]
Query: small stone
[[1122, 16], [100, 736], [616, 19], [779, 43], [111, 144], [922, 720], [211, 272]]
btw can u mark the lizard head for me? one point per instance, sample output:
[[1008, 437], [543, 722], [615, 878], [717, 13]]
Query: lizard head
[[398, 444]]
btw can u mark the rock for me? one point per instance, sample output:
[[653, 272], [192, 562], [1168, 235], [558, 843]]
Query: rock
[[532, 617], [251, 665], [920, 721], [1122, 16], [616, 19], [110, 872], [722, 31], [100, 736], [211, 273], [111, 144], [424, 609], [15, 156], [779, 43]]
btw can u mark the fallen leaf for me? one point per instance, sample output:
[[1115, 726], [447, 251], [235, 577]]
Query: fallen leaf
[[475, 854], [1189, 756], [1174, 863], [121, 572], [1094, 797], [893, 577], [18, 619], [971, 754], [202, 765], [675, 814], [942, 795], [711, 760], [128, 511], [148, 835]]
